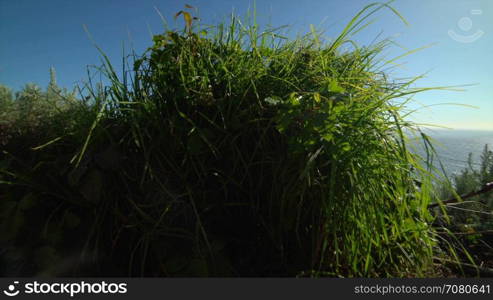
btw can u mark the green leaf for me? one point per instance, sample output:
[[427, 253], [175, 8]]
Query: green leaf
[[47, 143], [338, 108], [345, 147], [137, 64], [328, 137], [335, 87], [187, 17], [294, 99], [157, 38]]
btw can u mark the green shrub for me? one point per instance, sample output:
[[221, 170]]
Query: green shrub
[[229, 152]]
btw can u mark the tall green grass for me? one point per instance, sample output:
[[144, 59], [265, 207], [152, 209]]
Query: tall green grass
[[228, 151]]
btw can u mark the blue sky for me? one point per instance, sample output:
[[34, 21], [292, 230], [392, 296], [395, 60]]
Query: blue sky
[[39, 34]]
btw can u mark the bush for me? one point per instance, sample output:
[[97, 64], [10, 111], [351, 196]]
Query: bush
[[229, 152]]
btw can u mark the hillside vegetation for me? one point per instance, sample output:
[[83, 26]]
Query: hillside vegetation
[[223, 151]]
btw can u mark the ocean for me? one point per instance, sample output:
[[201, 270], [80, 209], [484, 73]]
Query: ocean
[[454, 146]]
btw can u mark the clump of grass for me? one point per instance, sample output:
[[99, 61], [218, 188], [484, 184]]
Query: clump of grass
[[230, 151]]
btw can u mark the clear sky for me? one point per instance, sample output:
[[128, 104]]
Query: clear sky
[[36, 35]]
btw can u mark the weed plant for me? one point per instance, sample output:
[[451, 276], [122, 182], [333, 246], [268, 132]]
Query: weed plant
[[225, 151]]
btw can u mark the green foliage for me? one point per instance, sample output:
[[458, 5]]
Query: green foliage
[[6, 99], [471, 179], [472, 219], [230, 152], [486, 169], [32, 108], [6, 104]]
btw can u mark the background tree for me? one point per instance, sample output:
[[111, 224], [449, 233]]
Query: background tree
[[486, 174], [6, 97], [28, 101], [476, 211], [53, 91]]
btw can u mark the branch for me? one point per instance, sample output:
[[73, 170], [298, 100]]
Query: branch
[[469, 269], [486, 188], [486, 232]]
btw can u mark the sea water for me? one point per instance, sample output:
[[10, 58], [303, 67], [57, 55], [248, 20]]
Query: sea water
[[453, 147]]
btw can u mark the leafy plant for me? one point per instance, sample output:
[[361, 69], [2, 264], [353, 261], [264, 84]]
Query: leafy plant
[[228, 151]]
